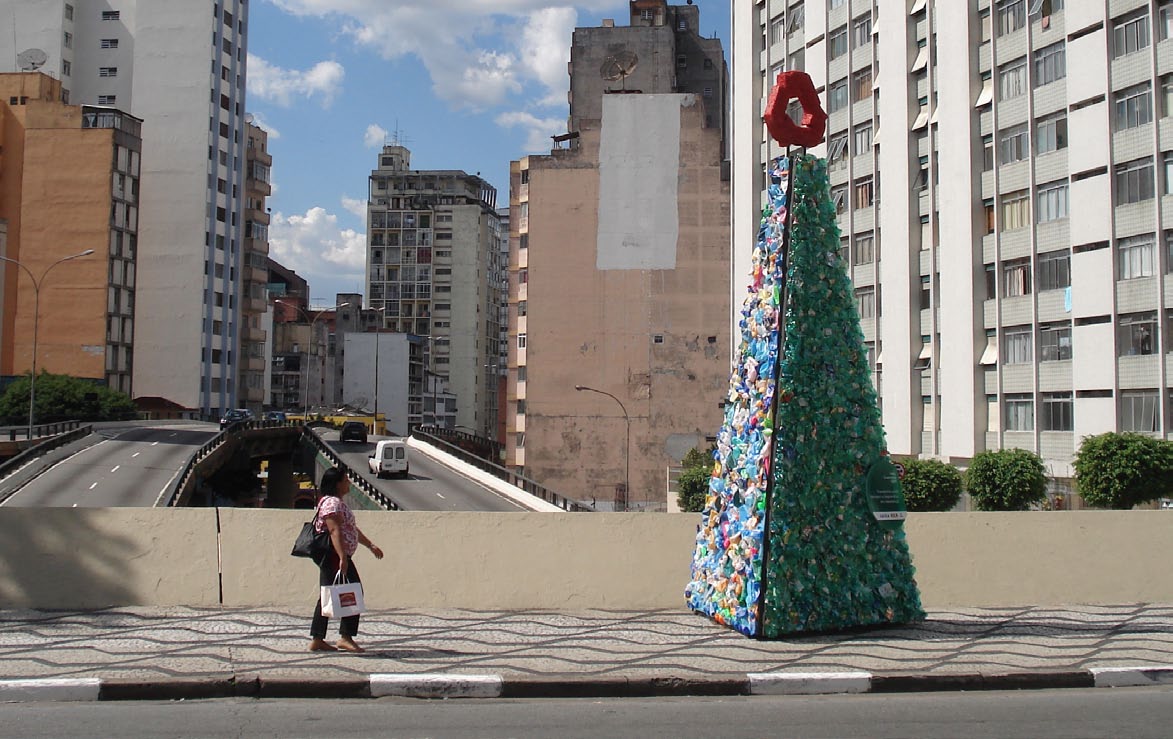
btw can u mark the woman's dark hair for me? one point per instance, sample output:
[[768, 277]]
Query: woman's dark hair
[[330, 480]]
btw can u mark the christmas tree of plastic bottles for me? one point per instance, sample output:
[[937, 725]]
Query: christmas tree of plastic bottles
[[788, 541]]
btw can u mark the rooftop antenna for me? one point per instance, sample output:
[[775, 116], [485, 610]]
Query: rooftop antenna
[[619, 66], [30, 60], [398, 138]]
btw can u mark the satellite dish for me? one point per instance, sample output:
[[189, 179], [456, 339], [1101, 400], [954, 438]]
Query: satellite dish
[[31, 60], [619, 66]]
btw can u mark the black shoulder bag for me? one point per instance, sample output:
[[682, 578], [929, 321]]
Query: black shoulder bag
[[310, 543]]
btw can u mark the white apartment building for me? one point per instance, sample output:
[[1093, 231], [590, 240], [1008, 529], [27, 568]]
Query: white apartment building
[[433, 251], [179, 65], [1012, 270]]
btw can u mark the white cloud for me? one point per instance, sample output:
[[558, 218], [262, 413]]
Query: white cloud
[[316, 248], [539, 129], [478, 52], [284, 86], [356, 206], [374, 136]]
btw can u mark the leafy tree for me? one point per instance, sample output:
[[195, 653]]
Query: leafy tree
[[64, 398], [1006, 480], [1123, 470], [693, 483], [930, 485]]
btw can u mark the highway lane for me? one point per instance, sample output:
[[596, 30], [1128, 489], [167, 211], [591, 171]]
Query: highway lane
[[429, 487], [129, 468]]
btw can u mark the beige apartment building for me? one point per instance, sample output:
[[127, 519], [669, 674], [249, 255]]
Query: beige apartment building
[[619, 262], [251, 383], [1012, 272], [69, 182]]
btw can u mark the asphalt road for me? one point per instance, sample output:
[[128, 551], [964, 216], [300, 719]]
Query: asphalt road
[[131, 467], [429, 486], [1138, 713]]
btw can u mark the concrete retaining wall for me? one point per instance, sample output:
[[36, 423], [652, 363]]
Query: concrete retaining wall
[[77, 558]]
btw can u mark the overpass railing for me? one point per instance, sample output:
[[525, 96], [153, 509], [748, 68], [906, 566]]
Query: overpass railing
[[356, 480], [428, 434], [62, 432]]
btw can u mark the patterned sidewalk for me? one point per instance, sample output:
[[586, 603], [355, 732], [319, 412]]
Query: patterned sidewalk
[[159, 644]]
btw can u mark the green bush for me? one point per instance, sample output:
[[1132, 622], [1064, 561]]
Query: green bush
[[1123, 470], [64, 398], [1006, 480], [930, 485], [693, 483]]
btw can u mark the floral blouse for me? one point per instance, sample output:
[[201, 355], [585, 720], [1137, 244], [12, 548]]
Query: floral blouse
[[332, 505]]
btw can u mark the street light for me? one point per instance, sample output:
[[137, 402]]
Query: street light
[[626, 441], [37, 320], [305, 413]]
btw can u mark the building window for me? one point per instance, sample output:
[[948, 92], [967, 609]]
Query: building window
[[1134, 181], [1051, 202], [1011, 16], [863, 138], [1012, 80], [1054, 270], [1134, 106], [1138, 411], [107, 99], [1015, 210], [68, 40], [864, 193], [1051, 133], [795, 17], [66, 68], [865, 302], [1057, 412], [861, 83], [987, 153], [1050, 64], [109, 43], [1013, 145], [865, 248], [1165, 20], [839, 199], [1017, 345], [837, 96], [1130, 34], [1016, 278], [110, 15], [837, 151], [1055, 342], [861, 31], [107, 71], [1167, 185], [1136, 334], [777, 30], [1020, 413], [521, 341], [681, 61], [1136, 257], [837, 43], [68, 12]]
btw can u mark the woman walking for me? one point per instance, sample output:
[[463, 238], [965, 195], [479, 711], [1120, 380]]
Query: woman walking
[[336, 517]]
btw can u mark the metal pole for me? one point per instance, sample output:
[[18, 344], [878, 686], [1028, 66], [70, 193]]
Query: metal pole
[[36, 324], [626, 443]]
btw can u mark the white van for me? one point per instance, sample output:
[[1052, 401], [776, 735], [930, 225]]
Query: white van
[[390, 458]]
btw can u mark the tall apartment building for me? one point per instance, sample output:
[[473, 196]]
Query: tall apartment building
[[432, 240], [179, 65], [254, 346], [69, 183], [1014, 285], [619, 266]]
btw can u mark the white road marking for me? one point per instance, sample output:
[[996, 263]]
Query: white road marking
[[93, 485], [116, 468], [440, 496], [154, 443], [135, 455]]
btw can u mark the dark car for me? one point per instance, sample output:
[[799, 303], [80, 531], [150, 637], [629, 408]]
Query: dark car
[[353, 431], [274, 416], [236, 415]]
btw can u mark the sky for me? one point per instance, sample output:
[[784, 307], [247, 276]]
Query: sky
[[464, 84]]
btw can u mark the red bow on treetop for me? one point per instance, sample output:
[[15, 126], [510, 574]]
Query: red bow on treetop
[[814, 121]]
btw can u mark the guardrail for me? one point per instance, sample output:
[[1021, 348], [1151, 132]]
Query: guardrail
[[41, 429], [356, 480], [423, 433], [65, 432]]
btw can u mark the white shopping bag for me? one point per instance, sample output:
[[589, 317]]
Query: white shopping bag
[[342, 598]]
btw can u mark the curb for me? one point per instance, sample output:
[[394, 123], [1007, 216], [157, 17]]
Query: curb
[[451, 685]]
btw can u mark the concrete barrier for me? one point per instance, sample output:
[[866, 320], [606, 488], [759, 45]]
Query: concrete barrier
[[74, 558]]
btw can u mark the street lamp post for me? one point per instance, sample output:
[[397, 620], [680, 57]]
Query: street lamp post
[[36, 321], [626, 442], [305, 413]]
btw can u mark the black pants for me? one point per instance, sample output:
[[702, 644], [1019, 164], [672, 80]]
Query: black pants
[[326, 572]]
